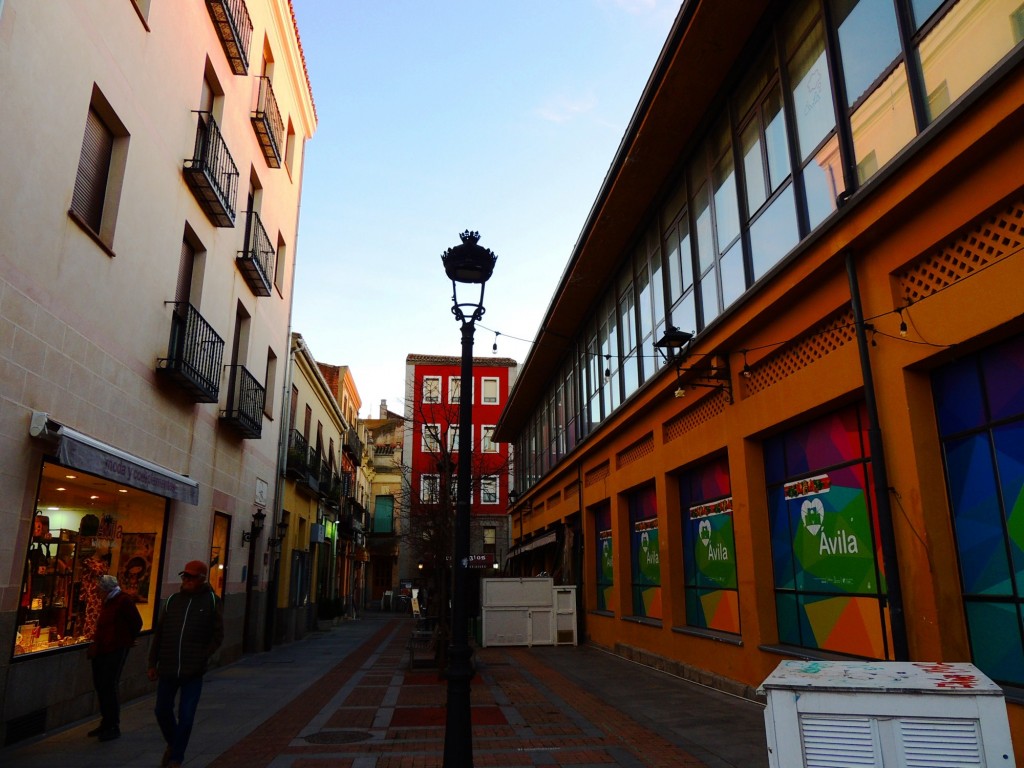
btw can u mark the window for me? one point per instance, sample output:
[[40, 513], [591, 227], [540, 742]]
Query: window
[[453, 438], [431, 389], [100, 176], [430, 489], [645, 553], [270, 380], [489, 385], [490, 540], [487, 444], [979, 406], [709, 550], [822, 523], [454, 389], [279, 264], [383, 514], [489, 489], [431, 439], [219, 552], [605, 564]]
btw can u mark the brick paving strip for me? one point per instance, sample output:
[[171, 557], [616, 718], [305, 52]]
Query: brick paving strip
[[369, 711]]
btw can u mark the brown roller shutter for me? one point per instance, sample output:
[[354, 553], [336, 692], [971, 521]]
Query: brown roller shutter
[[93, 169]]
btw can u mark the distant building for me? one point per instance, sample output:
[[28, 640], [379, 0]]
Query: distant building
[[430, 454], [387, 479], [828, 198], [147, 239]]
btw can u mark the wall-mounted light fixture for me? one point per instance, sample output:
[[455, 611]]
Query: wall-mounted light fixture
[[282, 529], [255, 528], [712, 371]]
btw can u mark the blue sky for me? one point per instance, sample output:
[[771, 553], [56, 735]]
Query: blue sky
[[437, 116]]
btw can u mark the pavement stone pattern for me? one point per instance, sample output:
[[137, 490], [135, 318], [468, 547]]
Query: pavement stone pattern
[[347, 698]]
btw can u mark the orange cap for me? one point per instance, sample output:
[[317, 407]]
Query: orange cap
[[194, 568]]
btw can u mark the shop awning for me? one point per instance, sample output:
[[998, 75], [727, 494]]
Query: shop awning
[[88, 454], [540, 541]]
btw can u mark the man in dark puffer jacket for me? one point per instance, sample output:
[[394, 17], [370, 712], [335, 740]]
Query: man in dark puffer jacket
[[190, 629]]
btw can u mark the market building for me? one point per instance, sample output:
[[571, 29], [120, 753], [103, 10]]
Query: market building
[[147, 234], [776, 406]]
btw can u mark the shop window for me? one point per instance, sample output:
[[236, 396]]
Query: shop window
[[709, 548], [822, 518], [219, 552], [605, 561], [85, 527], [645, 554], [979, 405]]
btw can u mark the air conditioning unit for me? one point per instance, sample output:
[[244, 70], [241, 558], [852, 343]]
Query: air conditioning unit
[[884, 715]]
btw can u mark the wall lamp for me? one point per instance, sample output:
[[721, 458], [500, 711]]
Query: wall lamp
[[255, 528], [713, 373], [282, 528]]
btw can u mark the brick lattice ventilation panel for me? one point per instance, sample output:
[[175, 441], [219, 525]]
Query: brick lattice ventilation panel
[[554, 500], [596, 475], [691, 418], [642, 447], [984, 241], [817, 343]]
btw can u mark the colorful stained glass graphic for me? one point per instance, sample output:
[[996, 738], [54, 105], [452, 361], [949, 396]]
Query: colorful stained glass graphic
[[645, 553], [822, 516], [605, 561], [979, 405], [709, 549]]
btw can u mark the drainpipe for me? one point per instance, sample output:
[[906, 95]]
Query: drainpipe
[[886, 530]]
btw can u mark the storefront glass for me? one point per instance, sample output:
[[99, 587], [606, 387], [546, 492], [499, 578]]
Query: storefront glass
[[85, 527], [605, 561], [645, 553]]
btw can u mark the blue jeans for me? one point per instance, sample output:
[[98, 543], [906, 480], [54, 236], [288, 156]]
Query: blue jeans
[[177, 731]]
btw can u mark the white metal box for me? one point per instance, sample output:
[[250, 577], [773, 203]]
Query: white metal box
[[885, 715]]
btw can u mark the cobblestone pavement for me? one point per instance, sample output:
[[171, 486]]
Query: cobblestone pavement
[[347, 697]]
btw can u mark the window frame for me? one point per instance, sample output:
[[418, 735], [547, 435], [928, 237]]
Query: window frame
[[427, 393], [484, 381]]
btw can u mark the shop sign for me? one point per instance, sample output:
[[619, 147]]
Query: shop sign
[[480, 561]]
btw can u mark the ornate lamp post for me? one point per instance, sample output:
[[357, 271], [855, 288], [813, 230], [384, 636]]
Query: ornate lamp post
[[467, 264]]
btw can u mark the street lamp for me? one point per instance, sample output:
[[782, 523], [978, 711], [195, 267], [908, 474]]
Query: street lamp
[[467, 264]]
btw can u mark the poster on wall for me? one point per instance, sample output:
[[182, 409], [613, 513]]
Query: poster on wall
[[135, 567], [646, 554]]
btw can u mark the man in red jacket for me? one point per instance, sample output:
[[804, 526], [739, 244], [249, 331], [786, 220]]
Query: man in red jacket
[[190, 629], [117, 627]]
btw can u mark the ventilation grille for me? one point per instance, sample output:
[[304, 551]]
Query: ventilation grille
[[554, 500], [707, 409], [596, 475], [831, 741], [26, 726], [812, 346], [642, 447], [986, 240], [946, 743]]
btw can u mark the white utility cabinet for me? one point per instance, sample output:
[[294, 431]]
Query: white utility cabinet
[[885, 715], [527, 611]]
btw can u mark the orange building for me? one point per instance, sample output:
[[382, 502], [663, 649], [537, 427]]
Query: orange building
[[776, 409]]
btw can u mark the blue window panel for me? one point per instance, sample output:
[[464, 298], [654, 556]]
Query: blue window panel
[[789, 617], [1003, 369], [995, 632], [1009, 447], [977, 516], [958, 401], [780, 521]]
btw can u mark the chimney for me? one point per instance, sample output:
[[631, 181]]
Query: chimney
[[383, 409]]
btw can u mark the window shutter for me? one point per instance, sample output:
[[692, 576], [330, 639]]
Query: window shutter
[[93, 169]]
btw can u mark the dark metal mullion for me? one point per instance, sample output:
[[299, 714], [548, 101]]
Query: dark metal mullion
[[915, 78], [792, 137], [842, 114]]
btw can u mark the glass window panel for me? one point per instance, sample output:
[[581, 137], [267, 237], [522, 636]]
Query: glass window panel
[[883, 124], [774, 233], [823, 182], [812, 95], [775, 139], [727, 211], [969, 40], [753, 167], [675, 276], [627, 321], [996, 647], [922, 10], [709, 297], [869, 41], [705, 243], [657, 288], [734, 282], [684, 314]]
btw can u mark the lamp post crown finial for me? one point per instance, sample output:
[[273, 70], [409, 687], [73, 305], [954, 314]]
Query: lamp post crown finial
[[469, 237]]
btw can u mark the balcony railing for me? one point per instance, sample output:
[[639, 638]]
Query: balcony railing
[[212, 174], [352, 445], [234, 27], [244, 412], [194, 354], [267, 122], [256, 260]]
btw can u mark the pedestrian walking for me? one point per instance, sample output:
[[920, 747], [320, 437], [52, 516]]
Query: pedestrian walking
[[117, 626], [190, 629]]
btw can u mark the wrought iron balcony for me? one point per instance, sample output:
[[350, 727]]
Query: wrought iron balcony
[[211, 173], [267, 122], [352, 445], [244, 412], [234, 27], [194, 354], [256, 260]]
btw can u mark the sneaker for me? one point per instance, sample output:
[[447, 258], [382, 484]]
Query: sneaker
[[109, 734], [97, 730]]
